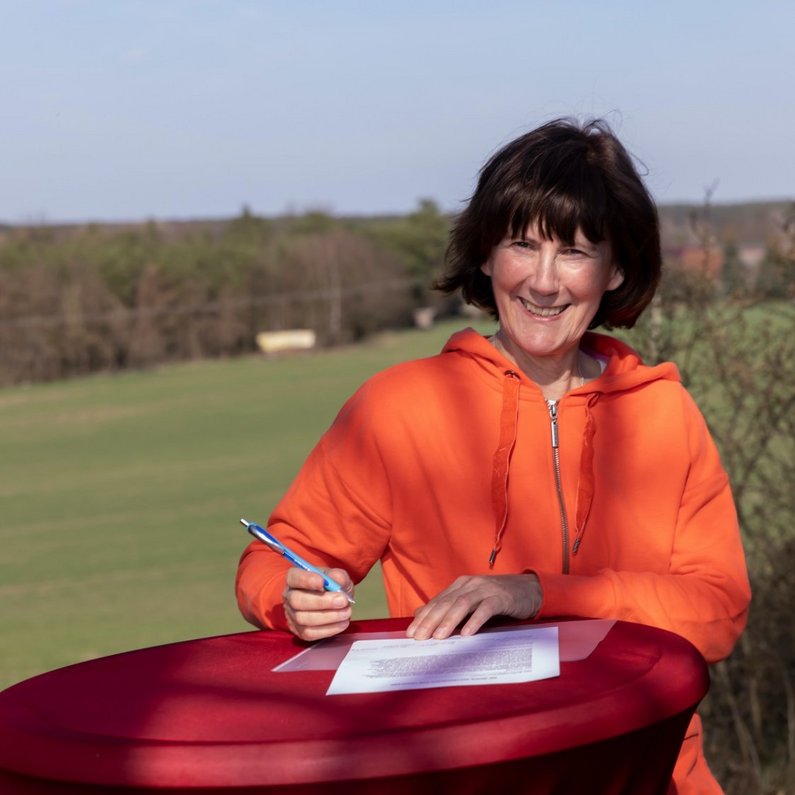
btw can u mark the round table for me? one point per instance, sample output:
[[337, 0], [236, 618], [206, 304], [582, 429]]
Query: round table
[[210, 714]]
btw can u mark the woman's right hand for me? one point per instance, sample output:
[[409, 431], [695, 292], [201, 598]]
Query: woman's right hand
[[312, 612]]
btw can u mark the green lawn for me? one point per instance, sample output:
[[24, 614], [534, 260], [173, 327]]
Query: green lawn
[[120, 495]]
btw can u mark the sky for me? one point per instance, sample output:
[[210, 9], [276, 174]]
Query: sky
[[124, 110]]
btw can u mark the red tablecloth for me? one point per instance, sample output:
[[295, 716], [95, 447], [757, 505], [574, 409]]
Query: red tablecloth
[[210, 713]]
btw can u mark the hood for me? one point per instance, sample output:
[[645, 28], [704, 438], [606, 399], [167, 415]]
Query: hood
[[623, 370]]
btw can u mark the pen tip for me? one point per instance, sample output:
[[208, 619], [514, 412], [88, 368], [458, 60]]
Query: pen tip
[[244, 522]]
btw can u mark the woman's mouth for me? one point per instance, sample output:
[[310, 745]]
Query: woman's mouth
[[542, 311]]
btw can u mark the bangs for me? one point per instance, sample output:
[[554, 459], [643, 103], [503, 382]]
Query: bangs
[[560, 198]]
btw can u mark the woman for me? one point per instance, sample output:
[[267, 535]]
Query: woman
[[542, 472]]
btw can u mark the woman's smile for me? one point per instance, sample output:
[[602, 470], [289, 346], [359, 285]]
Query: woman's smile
[[543, 311]]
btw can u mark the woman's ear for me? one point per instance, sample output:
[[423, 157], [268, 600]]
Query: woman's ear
[[487, 268], [616, 278]]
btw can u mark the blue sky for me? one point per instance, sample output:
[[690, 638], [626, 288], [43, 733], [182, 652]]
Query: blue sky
[[133, 109]]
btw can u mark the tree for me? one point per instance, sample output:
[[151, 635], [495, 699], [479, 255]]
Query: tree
[[420, 240]]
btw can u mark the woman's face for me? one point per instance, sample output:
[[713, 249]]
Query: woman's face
[[547, 292]]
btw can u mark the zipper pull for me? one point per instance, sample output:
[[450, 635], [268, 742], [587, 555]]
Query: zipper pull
[[577, 541], [552, 405]]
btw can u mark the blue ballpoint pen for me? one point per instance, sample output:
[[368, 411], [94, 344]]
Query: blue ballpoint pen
[[277, 546]]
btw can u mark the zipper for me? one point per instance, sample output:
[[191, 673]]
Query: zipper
[[552, 407]]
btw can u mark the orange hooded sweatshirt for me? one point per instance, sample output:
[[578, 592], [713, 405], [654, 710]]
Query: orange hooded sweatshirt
[[446, 466]]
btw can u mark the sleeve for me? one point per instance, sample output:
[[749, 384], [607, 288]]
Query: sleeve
[[705, 594], [335, 514]]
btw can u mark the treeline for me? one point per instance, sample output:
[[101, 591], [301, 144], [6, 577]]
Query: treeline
[[84, 299], [76, 300]]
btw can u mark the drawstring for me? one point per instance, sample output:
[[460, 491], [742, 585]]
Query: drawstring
[[585, 487], [509, 421]]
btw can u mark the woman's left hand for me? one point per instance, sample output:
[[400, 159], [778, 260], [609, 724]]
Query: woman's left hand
[[480, 597]]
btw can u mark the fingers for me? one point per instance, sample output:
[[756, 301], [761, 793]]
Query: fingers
[[313, 613], [330, 624], [440, 617], [479, 598], [343, 578]]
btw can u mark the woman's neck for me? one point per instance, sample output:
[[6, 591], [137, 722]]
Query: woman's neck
[[554, 375]]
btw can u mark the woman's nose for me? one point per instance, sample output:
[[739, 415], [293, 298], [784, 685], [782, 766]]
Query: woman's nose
[[544, 277]]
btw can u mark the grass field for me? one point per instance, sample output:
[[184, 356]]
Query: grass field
[[120, 495]]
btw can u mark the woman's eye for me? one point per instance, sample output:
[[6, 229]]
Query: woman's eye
[[574, 252]]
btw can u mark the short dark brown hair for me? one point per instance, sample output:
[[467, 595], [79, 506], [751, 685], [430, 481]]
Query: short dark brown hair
[[563, 176]]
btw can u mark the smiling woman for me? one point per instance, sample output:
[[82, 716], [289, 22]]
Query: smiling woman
[[510, 475]]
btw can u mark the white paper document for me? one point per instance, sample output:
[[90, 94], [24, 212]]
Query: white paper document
[[576, 640], [489, 658]]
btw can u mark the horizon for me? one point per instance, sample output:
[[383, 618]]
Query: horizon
[[209, 219]]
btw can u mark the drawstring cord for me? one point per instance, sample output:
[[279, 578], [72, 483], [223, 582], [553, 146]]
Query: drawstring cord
[[586, 485], [509, 421]]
